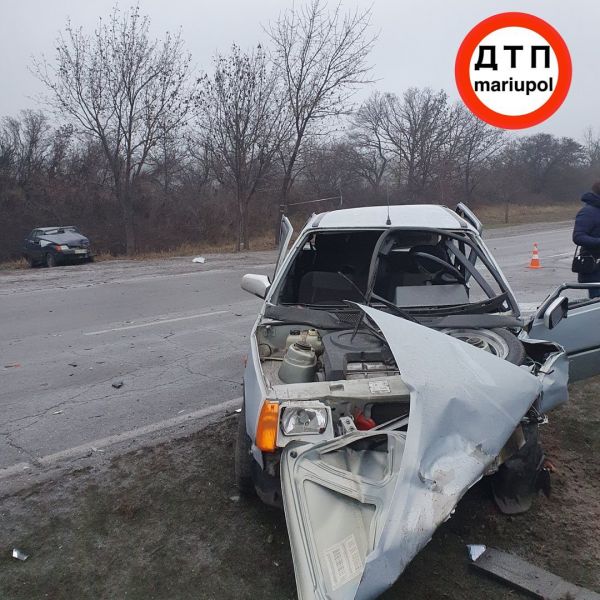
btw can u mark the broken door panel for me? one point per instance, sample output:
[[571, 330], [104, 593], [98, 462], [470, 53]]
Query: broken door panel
[[553, 372], [578, 333], [360, 507]]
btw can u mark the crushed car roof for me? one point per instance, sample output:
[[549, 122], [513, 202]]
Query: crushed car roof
[[410, 216], [57, 227]]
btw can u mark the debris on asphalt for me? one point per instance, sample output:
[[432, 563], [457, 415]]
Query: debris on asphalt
[[57, 412], [19, 554], [199, 259], [234, 498], [72, 364], [100, 451], [238, 410], [12, 366], [475, 550], [528, 578], [117, 384]]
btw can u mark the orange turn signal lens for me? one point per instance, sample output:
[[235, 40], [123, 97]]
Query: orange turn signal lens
[[268, 422]]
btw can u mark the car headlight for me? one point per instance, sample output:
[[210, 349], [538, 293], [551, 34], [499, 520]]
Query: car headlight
[[303, 421], [61, 247]]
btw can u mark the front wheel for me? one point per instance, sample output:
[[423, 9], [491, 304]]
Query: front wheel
[[243, 459], [50, 260]]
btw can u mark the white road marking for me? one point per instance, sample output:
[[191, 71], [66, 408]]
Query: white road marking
[[126, 436], [561, 254], [160, 322]]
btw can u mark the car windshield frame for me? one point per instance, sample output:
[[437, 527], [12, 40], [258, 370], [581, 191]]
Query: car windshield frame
[[470, 249]]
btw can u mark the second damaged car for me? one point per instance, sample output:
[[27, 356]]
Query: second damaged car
[[390, 370], [52, 246]]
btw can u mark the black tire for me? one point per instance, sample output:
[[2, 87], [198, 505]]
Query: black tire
[[516, 350], [50, 260], [243, 459]]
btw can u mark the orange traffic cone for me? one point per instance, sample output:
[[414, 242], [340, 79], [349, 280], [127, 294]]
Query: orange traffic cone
[[534, 263]]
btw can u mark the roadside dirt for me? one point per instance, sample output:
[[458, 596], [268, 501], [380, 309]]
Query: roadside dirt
[[167, 522]]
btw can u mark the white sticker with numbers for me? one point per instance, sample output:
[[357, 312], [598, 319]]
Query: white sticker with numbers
[[379, 387], [343, 562]]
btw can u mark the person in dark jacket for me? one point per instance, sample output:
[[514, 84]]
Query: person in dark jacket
[[586, 234]]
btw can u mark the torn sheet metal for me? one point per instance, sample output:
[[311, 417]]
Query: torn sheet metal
[[360, 507], [553, 373]]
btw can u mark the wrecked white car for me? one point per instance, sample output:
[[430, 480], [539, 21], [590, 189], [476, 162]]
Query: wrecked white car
[[389, 370]]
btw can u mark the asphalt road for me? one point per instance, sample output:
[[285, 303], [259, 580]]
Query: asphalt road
[[173, 332]]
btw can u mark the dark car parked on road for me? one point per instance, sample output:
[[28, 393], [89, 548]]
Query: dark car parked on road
[[51, 246]]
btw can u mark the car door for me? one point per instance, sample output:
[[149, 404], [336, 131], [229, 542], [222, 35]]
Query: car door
[[32, 245], [359, 507], [285, 235], [578, 333]]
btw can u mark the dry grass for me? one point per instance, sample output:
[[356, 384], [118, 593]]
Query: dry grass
[[519, 214], [11, 265], [264, 242]]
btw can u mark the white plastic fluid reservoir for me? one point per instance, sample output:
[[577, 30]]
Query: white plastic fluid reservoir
[[313, 339], [308, 337], [299, 364]]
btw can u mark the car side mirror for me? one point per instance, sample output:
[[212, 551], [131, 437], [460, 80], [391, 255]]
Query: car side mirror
[[256, 284], [555, 312]]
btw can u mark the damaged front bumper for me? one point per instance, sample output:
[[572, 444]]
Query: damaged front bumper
[[361, 506]]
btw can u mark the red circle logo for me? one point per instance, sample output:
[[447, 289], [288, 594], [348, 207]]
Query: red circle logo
[[513, 70]]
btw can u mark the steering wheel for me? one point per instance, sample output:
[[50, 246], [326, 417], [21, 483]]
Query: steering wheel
[[447, 270]]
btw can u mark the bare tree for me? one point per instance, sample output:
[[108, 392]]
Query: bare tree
[[25, 142], [591, 144], [549, 160], [471, 144], [321, 58], [418, 128], [124, 89], [367, 136], [243, 126]]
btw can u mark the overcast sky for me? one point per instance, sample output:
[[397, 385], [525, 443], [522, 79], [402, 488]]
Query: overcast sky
[[417, 41]]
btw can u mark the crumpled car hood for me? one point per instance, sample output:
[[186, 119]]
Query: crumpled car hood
[[360, 507], [69, 238]]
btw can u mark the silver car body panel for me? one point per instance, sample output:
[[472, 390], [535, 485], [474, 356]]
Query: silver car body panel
[[357, 515], [578, 333]]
